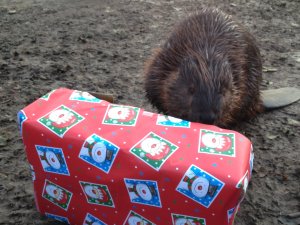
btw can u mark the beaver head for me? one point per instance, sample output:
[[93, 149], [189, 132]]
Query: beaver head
[[199, 90], [208, 70]]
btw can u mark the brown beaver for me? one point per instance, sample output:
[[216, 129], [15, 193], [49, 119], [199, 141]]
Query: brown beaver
[[209, 70]]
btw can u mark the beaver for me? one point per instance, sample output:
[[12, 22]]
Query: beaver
[[209, 71]]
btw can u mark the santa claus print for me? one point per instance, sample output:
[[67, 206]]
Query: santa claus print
[[200, 186], [57, 195], [121, 115], [135, 219], [97, 194], [84, 96], [212, 142], [60, 120], [179, 219], [153, 150], [47, 96]]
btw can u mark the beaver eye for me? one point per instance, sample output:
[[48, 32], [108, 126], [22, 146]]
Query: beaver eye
[[221, 91], [191, 90]]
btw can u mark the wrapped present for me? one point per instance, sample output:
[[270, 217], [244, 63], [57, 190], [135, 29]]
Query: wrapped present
[[94, 162]]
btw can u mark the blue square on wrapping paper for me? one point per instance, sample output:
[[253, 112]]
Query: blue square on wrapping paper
[[143, 192], [84, 96], [58, 218], [99, 152], [251, 160], [32, 172], [90, 219], [200, 186], [52, 159], [170, 121], [230, 213], [21, 118]]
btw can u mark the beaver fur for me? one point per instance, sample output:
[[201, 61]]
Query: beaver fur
[[209, 70]]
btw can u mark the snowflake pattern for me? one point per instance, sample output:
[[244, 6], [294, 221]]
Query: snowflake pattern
[[92, 220], [99, 152], [52, 159], [172, 121], [143, 192], [200, 186], [58, 218], [21, 119]]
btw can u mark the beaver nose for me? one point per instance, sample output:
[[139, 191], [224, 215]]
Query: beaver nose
[[202, 117], [207, 118]]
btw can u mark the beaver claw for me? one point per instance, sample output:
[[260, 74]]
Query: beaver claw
[[105, 97]]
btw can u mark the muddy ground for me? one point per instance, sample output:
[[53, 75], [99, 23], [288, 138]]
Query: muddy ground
[[102, 45]]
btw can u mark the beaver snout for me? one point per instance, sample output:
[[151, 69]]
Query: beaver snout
[[205, 118], [204, 108]]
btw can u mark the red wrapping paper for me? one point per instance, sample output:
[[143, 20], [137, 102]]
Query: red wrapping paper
[[94, 162]]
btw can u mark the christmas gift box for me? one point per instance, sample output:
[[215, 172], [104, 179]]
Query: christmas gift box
[[95, 162]]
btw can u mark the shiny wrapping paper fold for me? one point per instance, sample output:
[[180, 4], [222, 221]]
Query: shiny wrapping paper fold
[[94, 162]]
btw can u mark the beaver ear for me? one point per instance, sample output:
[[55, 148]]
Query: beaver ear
[[276, 98], [156, 51], [150, 61]]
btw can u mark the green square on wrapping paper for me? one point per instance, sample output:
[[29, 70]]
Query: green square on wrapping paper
[[218, 143], [121, 115], [97, 194], [57, 195], [183, 219], [154, 150], [134, 218], [60, 120], [47, 96]]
